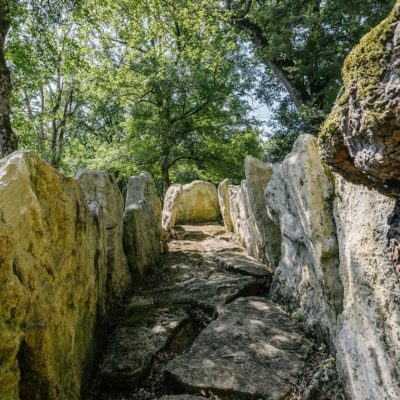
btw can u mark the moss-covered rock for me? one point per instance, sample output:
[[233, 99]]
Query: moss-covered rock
[[361, 137]]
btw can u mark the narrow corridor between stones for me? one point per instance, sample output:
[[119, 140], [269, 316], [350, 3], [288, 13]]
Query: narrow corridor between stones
[[201, 326]]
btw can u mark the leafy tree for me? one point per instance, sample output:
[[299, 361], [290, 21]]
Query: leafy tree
[[8, 139], [303, 44], [181, 77], [46, 60]]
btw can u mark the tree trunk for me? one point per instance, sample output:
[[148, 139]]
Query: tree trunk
[[296, 90], [8, 139], [166, 183]]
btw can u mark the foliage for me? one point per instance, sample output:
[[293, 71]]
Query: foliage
[[180, 75], [127, 86], [162, 85], [288, 124], [303, 44]]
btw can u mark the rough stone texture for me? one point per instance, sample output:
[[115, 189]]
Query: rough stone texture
[[102, 193], [234, 201], [181, 397], [242, 264], [142, 224], [368, 341], [205, 238], [196, 202], [393, 237], [209, 293], [248, 214], [267, 236], [361, 138], [225, 204], [51, 262], [299, 199], [244, 224], [170, 209], [137, 340], [250, 351]]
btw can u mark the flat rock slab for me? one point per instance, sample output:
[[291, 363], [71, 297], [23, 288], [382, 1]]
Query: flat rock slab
[[242, 264], [138, 338], [218, 289], [182, 397], [251, 351]]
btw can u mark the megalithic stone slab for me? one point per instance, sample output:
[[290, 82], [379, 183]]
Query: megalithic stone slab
[[250, 351]]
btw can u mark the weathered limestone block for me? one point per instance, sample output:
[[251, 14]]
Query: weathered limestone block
[[267, 236], [195, 202], [368, 341], [102, 193], [216, 289], [142, 224], [299, 197], [251, 351], [50, 262], [361, 137], [135, 342], [170, 209], [234, 203], [225, 204], [198, 203], [248, 231]]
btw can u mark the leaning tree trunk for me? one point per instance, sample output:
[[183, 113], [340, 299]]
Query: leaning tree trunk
[[8, 139]]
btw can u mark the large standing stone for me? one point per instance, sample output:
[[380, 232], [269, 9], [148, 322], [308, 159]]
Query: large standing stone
[[50, 267], [234, 201], [102, 193], [368, 340], [267, 236], [248, 231], [196, 202], [225, 204], [300, 196], [361, 137], [170, 207], [249, 352], [142, 224], [248, 215]]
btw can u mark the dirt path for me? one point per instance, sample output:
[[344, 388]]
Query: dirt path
[[201, 325]]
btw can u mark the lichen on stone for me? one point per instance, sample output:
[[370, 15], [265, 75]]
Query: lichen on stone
[[360, 138], [362, 71]]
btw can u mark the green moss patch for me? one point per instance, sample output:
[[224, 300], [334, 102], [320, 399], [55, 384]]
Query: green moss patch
[[363, 71]]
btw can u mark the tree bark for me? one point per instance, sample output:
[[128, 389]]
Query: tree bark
[[8, 139], [166, 183], [296, 90]]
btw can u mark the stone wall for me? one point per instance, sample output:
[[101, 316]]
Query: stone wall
[[334, 266], [62, 268]]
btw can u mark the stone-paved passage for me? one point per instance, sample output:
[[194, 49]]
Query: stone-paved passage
[[202, 327]]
